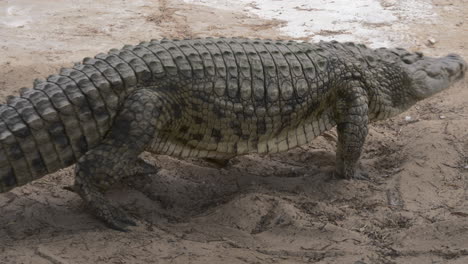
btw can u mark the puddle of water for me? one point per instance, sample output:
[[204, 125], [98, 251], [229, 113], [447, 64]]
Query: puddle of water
[[372, 21]]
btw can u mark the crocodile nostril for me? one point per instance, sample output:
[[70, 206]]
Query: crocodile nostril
[[451, 71], [463, 66]]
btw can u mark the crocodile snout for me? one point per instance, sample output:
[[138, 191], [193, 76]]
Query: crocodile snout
[[454, 66], [451, 67], [432, 75]]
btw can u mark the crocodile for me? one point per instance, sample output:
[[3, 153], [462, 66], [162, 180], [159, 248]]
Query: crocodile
[[213, 98]]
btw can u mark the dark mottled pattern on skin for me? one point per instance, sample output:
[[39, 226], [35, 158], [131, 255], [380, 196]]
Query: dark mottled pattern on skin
[[206, 98]]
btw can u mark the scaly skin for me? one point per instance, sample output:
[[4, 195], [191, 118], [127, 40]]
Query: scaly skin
[[206, 98]]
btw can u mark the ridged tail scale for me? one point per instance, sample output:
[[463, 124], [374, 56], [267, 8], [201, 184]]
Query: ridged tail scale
[[52, 125]]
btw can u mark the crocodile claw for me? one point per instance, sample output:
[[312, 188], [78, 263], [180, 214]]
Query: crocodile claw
[[361, 175], [357, 175], [113, 216]]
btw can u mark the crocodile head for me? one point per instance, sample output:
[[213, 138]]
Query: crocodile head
[[423, 76], [432, 75]]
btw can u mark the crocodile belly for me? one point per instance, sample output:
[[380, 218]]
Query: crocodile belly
[[224, 144]]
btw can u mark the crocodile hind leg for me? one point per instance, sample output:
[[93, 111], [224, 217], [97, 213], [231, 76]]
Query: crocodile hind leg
[[117, 155], [352, 119]]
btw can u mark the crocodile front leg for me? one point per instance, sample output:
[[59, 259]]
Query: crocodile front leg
[[352, 119], [117, 155]]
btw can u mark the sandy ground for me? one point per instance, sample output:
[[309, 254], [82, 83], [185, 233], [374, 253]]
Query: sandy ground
[[279, 208]]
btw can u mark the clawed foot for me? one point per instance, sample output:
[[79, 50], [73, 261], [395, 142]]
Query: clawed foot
[[143, 167], [113, 216], [361, 175], [355, 175]]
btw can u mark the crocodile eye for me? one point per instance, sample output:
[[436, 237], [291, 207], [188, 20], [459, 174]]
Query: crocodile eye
[[433, 71]]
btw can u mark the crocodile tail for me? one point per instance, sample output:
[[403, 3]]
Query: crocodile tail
[[53, 124], [48, 128]]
